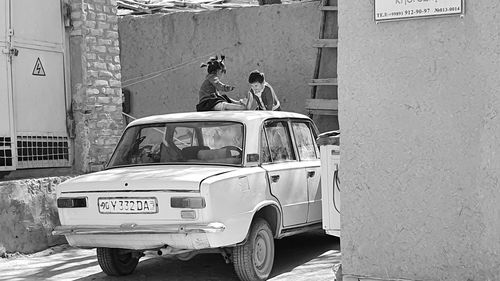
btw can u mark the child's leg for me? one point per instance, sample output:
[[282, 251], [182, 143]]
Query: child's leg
[[228, 106], [233, 106]]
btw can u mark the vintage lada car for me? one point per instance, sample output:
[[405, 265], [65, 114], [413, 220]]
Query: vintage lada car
[[187, 183]]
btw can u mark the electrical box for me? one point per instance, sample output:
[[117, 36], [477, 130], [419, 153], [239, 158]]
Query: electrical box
[[329, 144], [33, 85]]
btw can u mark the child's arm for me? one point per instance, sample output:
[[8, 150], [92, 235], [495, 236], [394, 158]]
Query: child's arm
[[250, 99], [219, 85], [267, 98]]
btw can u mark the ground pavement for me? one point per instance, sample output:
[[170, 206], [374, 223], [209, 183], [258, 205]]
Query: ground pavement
[[306, 257]]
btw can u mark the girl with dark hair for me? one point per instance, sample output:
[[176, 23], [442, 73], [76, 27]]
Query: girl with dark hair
[[261, 95], [209, 95]]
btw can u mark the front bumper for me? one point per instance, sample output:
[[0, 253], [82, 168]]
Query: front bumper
[[133, 228]]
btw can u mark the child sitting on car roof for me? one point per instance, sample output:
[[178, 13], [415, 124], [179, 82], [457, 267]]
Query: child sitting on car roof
[[209, 95], [261, 95]]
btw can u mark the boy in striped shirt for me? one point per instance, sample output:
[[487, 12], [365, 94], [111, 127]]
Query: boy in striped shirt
[[261, 95]]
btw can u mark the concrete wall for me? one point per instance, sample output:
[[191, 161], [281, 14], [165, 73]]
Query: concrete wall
[[28, 214], [275, 39], [419, 112]]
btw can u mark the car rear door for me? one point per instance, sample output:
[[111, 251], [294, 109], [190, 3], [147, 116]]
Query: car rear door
[[286, 175], [308, 153]]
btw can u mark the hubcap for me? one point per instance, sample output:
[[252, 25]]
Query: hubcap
[[261, 251], [124, 257]]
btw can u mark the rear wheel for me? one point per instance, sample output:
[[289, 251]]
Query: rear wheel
[[254, 260], [117, 262]]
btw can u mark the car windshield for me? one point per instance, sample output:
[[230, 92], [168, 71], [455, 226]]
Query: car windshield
[[189, 142]]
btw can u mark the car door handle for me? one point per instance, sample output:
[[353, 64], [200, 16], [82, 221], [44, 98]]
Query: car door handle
[[311, 174], [275, 178]]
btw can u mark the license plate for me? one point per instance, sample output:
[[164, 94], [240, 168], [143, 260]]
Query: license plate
[[128, 205]]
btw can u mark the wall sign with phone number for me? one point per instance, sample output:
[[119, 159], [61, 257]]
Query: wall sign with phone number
[[387, 10]]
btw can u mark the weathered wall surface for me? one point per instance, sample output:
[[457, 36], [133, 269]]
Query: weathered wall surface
[[28, 210], [275, 39], [419, 112], [28, 214], [95, 82]]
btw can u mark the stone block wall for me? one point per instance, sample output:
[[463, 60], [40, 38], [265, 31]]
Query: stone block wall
[[95, 81], [28, 215]]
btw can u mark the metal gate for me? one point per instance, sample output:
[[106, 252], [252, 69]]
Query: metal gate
[[33, 97]]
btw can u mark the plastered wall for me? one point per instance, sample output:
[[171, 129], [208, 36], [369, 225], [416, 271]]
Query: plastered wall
[[419, 112], [276, 39]]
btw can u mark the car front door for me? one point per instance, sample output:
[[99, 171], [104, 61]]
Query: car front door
[[286, 175]]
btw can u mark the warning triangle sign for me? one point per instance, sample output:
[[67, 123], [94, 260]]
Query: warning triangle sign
[[38, 69]]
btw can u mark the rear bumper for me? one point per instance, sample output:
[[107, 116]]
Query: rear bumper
[[213, 227]]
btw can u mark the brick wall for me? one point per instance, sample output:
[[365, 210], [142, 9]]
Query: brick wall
[[95, 81]]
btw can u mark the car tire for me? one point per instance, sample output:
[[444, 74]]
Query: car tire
[[117, 262], [253, 261]]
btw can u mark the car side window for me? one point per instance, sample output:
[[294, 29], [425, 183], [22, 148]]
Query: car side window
[[304, 140], [265, 154], [278, 139], [223, 136], [184, 137]]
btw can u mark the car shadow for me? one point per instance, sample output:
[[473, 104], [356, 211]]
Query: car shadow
[[303, 253], [60, 267], [204, 267]]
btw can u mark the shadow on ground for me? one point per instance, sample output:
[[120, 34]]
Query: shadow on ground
[[299, 255], [303, 257], [306, 255], [39, 268]]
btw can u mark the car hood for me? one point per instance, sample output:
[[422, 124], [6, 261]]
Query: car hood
[[138, 178]]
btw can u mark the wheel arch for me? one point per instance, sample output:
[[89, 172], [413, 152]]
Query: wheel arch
[[272, 214]]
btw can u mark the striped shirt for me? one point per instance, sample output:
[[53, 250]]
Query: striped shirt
[[265, 100]]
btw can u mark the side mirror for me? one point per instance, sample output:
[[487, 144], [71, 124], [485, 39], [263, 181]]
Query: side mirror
[[326, 138]]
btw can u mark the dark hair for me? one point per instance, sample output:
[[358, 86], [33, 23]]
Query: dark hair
[[215, 64], [256, 76]]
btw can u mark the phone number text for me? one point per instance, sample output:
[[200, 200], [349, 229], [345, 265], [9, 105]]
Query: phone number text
[[419, 12]]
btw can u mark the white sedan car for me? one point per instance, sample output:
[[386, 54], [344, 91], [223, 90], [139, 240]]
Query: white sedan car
[[185, 183]]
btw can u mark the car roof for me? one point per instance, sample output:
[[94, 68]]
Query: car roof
[[236, 116]]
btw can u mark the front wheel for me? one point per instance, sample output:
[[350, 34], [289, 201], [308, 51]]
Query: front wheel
[[254, 260], [117, 262]]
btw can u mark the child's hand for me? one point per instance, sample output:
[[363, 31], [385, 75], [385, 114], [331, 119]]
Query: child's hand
[[244, 101]]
